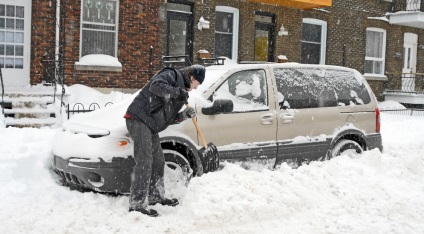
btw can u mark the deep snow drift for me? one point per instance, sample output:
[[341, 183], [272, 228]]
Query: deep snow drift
[[370, 193]]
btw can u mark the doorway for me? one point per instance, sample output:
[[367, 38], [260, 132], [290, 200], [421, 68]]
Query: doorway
[[409, 62], [15, 42], [179, 30], [264, 37]]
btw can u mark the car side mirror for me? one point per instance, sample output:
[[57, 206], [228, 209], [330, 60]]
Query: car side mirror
[[219, 106]]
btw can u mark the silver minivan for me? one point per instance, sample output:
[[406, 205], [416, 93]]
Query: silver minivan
[[261, 113]]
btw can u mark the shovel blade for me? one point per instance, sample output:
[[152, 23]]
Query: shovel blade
[[209, 157]]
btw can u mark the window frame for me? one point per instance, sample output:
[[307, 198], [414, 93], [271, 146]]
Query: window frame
[[323, 25], [236, 15], [116, 25], [266, 89], [383, 53]]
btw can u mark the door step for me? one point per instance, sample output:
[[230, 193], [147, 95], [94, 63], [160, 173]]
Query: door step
[[29, 122], [29, 109]]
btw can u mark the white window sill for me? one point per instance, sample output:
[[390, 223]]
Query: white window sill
[[376, 77], [80, 67]]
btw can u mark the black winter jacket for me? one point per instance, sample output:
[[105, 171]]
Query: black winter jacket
[[156, 104]]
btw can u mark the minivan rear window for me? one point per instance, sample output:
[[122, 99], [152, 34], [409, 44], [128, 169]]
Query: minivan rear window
[[300, 88]]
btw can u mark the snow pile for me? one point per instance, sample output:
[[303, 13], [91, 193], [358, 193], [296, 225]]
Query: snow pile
[[368, 193], [86, 95], [390, 105], [99, 60], [2, 120]]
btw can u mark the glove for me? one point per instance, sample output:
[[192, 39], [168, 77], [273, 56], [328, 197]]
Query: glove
[[189, 113], [183, 95]]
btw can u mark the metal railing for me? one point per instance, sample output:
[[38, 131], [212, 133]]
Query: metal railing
[[407, 5], [406, 83], [78, 108], [178, 61], [2, 92], [410, 112]]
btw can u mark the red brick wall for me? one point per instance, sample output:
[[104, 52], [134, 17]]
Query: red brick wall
[[142, 24], [42, 36], [138, 30]]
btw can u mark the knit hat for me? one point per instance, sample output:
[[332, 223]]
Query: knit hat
[[198, 72]]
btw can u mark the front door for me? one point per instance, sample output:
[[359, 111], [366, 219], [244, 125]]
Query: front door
[[179, 38], [15, 37], [264, 38], [409, 62]]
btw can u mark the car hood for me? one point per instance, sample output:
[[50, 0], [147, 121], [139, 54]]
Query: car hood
[[91, 131], [111, 118]]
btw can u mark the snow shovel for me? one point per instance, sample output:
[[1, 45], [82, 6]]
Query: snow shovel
[[209, 155]]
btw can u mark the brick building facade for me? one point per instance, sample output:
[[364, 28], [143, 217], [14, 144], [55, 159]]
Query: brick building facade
[[152, 24], [138, 30]]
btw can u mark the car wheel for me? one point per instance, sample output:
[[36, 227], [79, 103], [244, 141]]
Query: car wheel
[[347, 146], [178, 165]]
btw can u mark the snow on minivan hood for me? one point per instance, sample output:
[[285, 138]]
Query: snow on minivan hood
[[111, 118]]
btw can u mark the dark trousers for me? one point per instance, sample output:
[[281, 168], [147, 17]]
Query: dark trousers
[[147, 177]]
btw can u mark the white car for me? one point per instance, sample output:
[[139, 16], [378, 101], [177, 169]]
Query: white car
[[270, 113]]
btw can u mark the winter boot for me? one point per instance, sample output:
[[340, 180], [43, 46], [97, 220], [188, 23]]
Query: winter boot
[[149, 212], [166, 202]]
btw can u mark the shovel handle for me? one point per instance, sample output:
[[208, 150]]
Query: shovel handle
[[198, 130]]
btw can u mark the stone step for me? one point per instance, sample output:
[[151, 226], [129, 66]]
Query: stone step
[[30, 122], [28, 111], [34, 99]]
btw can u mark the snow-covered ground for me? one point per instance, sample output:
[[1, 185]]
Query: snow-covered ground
[[370, 193]]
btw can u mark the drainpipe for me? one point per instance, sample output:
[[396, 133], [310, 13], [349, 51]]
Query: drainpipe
[[57, 44]]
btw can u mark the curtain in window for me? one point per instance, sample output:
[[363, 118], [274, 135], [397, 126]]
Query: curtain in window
[[374, 52], [99, 27]]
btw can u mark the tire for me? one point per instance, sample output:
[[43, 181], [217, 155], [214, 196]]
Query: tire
[[344, 145], [179, 165]]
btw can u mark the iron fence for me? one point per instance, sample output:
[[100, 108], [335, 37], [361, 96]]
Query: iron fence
[[2, 92], [410, 112], [79, 108], [407, 5], [406, 83]]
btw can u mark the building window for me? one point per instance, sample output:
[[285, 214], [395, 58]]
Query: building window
[[99, 27], [375, 51], [11, 36], [226, 32], [314, 36]]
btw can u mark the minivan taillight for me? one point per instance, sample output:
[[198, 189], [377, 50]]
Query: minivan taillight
[[377, 120]]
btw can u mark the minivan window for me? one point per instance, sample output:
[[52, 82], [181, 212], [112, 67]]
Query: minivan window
[[246, 89], [300, 88]]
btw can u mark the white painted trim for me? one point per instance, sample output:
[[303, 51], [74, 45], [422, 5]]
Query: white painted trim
[[323, 25], [383, 58], [375, 77], [236, 13]]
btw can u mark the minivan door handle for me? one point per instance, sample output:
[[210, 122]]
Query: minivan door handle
[[267, 119], [286, 118]]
